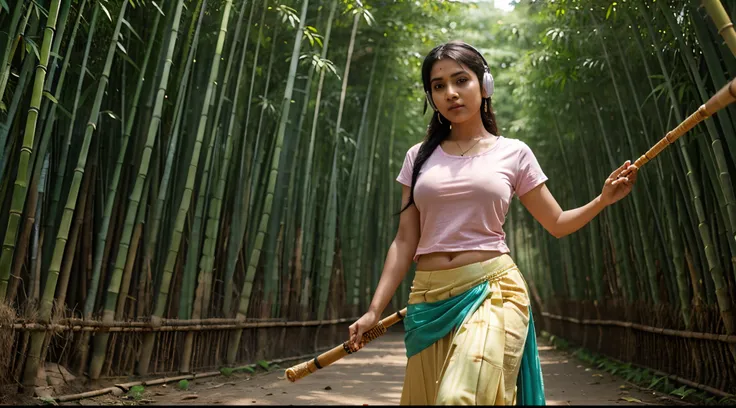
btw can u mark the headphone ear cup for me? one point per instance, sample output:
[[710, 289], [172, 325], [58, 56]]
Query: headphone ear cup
[[488, 84]]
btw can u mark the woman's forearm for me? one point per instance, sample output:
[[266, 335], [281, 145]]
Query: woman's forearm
[[572, 220], [398, 261]]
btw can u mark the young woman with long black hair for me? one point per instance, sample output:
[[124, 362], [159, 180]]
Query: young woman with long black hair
[[469, 329]]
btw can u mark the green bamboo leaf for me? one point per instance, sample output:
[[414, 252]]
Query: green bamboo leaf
[[106, 12], [41, 8], [127, 24], [122, 53], [86, 69], [368, 17], [61, 109], [50, 97], [159, 8], [112, 115], [656, 381], [120, 46], [4, 5], [33, 47]]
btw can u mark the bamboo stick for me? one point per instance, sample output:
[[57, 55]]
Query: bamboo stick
[[725, 96], [336, 353]]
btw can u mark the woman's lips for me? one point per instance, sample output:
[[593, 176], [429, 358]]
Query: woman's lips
[[456, 107]]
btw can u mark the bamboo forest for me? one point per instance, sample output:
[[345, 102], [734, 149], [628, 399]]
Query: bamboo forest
[[193, 186]]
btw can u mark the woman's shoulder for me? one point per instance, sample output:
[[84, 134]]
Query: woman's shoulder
[[414, 150], [512, 144], [515, 148]]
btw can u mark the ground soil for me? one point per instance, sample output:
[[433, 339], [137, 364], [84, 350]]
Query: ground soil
[[374, 376]]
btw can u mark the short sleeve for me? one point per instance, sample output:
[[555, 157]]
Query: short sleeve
[[404, 176], [529, 174]]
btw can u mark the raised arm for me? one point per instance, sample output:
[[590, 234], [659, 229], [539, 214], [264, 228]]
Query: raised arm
[[545, 209], [397, 263]]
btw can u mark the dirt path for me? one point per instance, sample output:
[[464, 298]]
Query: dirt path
[[375, 376]]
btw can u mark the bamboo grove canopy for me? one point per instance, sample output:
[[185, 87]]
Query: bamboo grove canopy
[[174, 170]]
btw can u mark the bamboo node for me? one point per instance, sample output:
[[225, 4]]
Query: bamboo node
[[725, 27]]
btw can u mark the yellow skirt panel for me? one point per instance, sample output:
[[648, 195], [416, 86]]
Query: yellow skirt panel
[[479, 363]]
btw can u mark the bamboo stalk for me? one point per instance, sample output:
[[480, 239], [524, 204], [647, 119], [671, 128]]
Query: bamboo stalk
[[722, 22], [21, 182]]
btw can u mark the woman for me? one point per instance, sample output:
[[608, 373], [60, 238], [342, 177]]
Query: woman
[[469, 328]]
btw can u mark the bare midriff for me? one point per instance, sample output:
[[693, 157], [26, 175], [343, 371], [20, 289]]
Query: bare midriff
[[449, 260]]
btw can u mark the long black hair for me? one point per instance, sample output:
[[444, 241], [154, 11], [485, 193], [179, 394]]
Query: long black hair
[[438, 131]]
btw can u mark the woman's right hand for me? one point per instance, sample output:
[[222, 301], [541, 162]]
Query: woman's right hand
[[362, 325]]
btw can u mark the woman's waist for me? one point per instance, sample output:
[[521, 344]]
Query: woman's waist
[[439, 284], [441, 260]]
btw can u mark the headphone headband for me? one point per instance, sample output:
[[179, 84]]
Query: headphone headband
[[485, 63]]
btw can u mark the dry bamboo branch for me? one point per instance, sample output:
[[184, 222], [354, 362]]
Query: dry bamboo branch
[[725, 338], [158, 381], [78, 325]]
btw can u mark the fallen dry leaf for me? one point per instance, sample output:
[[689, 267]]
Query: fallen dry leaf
[[631, 399], [190, 397], [597, 375], [328, 388], [216, 386], [269, 394]]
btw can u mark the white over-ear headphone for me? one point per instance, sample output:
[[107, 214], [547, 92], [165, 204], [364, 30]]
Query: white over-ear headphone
[[486, 81]]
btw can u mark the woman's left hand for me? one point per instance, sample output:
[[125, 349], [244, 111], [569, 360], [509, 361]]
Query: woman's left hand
[[619, 184]]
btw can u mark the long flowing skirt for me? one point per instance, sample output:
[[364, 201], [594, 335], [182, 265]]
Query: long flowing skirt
[[478, 363]]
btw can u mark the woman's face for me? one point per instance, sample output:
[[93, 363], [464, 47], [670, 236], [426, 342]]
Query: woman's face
[[455, 90]]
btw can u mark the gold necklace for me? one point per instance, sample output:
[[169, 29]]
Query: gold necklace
[[461, 149]]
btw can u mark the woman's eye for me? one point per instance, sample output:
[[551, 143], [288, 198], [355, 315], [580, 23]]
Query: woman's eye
[[462, 80], [438, 86]]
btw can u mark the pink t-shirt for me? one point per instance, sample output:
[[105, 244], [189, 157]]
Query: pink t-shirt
[[463, 200]]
